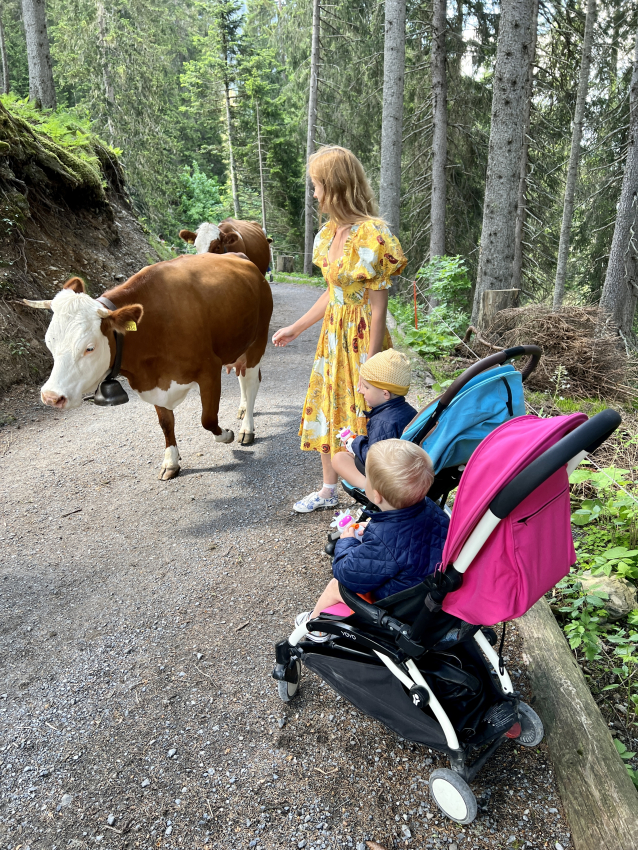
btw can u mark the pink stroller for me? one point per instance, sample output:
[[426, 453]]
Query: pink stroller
[[423, 661]]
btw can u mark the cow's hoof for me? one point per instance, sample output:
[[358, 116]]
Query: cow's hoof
[[241, 412], [245, 438], [166, 473], [225, 436]]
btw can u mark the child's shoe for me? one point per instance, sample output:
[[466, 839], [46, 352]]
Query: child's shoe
[[314, 501], [317, 637]]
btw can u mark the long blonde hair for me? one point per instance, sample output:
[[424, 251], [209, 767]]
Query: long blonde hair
[[347, 194]]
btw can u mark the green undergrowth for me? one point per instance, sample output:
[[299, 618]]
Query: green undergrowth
[[435, 330], [605, 523], [299, 278], [553, 404]]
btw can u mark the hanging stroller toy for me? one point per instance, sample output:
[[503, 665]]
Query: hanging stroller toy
[[422, 661]]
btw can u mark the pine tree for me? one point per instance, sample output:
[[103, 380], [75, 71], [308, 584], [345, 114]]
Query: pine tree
[[392, 119], [310, 143], [41, 87], [506, 140], [620, 293], [6, 80], [574, 158], [439, 134], [521, 213]]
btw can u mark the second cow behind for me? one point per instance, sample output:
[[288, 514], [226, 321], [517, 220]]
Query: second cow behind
[[232, 236]]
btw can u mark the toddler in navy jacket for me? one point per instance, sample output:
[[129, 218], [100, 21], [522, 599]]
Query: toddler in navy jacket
[[384, 380], [402, 544]]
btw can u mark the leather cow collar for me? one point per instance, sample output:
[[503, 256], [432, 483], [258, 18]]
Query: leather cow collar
[[110, 392]]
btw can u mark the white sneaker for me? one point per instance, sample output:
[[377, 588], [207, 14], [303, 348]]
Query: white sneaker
[[317, 637], [314, 501]]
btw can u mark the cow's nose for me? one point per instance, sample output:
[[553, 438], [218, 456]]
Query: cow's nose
[[53, 399]]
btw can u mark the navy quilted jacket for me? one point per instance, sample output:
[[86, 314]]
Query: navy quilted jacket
[[398, 549], [387, 421]]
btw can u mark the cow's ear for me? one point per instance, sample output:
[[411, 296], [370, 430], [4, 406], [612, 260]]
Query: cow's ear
[[269, 240], [122, 320], [230, 237], [76, 284], [188, 236]]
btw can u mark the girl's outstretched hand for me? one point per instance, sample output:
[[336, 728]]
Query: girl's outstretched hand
[[283, 336]]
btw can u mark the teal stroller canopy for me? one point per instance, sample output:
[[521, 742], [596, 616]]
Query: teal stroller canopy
[[449, 434]]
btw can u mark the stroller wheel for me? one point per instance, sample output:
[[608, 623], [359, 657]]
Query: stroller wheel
[[453, 795], [531, 726], [287, 690], [329, 548]]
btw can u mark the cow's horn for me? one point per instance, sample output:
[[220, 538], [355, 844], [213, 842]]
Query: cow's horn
[[40, 305]]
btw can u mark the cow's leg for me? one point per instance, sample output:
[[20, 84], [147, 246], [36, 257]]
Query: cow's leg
[[170, 467], [210, 388], [241, 412], [240, 371], [249, 384]]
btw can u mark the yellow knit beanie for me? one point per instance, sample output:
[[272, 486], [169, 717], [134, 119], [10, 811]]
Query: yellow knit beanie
[[388, 370]]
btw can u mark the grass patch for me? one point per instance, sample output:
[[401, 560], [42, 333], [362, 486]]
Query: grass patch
[[299, 278]]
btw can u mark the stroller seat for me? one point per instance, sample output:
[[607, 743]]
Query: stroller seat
[[423, 661], [450, 428]]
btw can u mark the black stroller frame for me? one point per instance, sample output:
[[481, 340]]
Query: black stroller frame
[[447, 686]]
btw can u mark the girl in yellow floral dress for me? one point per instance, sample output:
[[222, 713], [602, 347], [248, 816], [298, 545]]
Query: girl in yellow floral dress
[[357, 254]]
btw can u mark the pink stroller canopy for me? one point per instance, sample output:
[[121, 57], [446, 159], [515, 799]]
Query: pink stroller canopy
[[532, 548]]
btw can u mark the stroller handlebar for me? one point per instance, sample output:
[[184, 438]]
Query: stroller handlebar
[[490, 362], [586, 438]]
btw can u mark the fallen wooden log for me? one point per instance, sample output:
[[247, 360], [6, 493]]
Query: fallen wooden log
[[600, 799]]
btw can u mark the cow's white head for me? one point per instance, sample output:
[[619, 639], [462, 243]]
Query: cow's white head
[[208, 238], [78, 340]]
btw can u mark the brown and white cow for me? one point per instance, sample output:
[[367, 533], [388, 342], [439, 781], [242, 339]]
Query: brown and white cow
[[232, 236], [192, 315]]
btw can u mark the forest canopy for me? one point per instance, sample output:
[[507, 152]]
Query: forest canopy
[[188, 90]]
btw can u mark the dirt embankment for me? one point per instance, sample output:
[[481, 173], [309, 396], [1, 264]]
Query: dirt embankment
[[59, 216]]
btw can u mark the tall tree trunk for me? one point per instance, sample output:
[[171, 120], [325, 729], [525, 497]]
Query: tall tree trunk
[[521, 213], [41, 88], [109, 91], [392, 116], [439, 135], [455, 61], [6, 82], [231, 156], [261, 172], [574, 157], [618, 299], [312, 124], [504, 157]]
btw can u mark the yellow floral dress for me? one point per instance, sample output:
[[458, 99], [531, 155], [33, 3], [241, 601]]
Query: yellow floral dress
[[371, 255]]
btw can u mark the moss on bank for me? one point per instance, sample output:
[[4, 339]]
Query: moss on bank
[[56, 153]]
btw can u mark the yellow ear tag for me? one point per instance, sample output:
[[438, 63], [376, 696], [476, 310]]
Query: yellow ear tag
[[130, 326]]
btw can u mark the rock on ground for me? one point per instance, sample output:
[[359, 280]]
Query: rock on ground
[[136, 644]]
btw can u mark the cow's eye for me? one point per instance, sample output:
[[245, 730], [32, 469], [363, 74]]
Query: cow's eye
[[89, 349]]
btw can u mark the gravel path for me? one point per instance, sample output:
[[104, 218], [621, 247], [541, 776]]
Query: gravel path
[[136, 632]]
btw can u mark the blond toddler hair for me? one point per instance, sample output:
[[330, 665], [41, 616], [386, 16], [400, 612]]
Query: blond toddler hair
[[400, 471]]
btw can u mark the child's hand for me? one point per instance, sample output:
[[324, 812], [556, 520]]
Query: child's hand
[[348, 532]]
